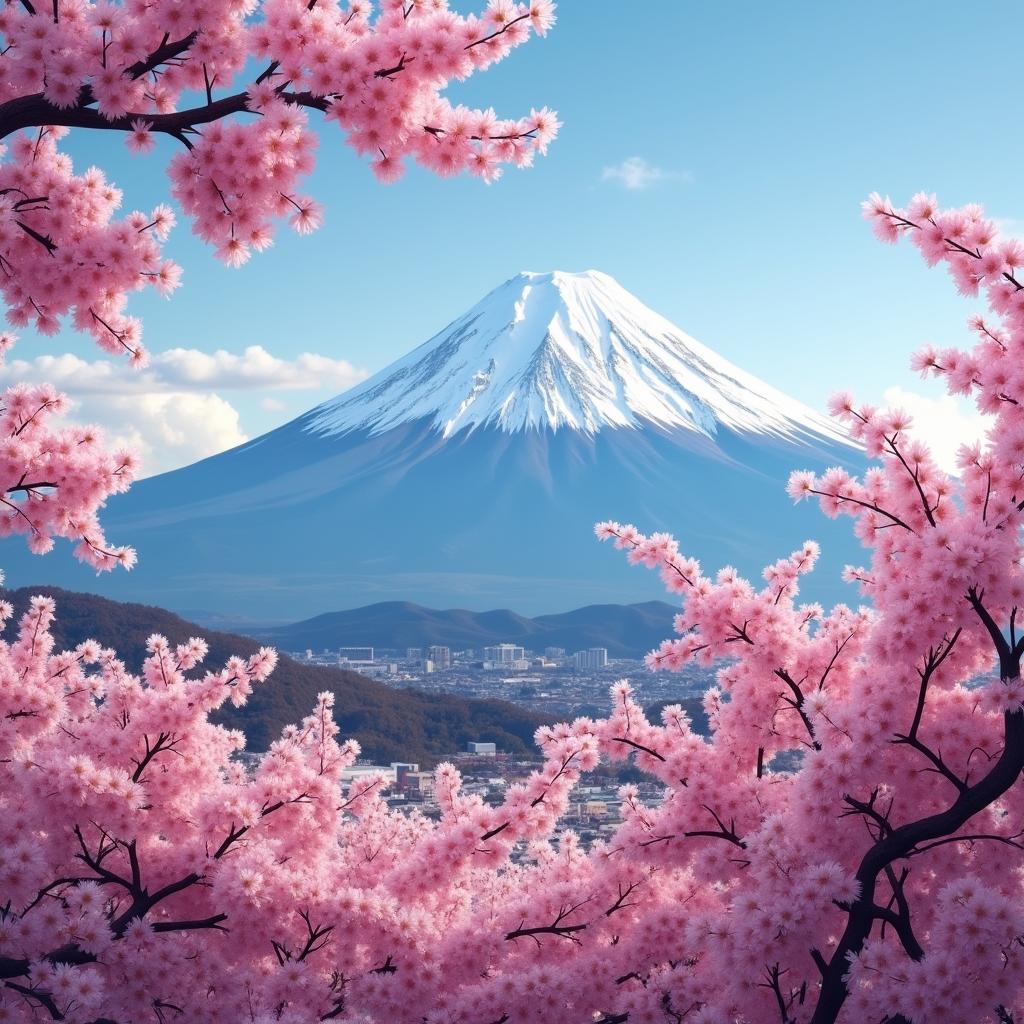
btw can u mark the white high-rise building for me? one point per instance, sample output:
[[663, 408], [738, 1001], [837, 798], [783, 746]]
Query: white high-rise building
[[504, 654], [441, 657], [595, 657]]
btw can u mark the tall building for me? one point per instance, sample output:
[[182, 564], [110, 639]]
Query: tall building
[[413, 654], [441, 657], [595, 657], [554, 653], [504, 654]]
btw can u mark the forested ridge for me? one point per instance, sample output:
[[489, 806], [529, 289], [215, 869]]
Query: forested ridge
[[390, 724]]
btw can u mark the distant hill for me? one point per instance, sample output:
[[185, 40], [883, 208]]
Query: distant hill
[[391, 725], [627, 631]]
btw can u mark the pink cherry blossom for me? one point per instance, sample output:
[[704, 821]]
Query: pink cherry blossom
[[54, 480], [141, 138], [879, 880]]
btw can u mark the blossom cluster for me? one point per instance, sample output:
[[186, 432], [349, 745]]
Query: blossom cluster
[[146, 870], [63, 252], [54, 480], [880, 879], [379, 76]]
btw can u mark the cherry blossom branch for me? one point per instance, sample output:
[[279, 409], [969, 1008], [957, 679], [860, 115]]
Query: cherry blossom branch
[[34, 111], [214, 921], [164, 742], [1009, 657], [915, 476], [624, 894], [898, 843], [797, 702], [869, 505], [161, 55], [729, 833], [1011, 840], [234, 834], [835, 657], [638, 746], [538, 800], [316, 939], [952, 244], [902, 918], [557, 927], [773, 982], [935, 758], [499, 32], [43, 998], [933, 660]]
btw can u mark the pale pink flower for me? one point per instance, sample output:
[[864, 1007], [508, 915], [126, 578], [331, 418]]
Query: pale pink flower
[[140, 139]]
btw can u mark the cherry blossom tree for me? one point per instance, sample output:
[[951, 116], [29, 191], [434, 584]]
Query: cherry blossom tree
[[185, 70], [845, 846], [882, 880]]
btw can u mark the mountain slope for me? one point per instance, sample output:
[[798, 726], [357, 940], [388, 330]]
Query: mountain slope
[[627, 631], [391, 725], [471, 472], [567, 351]]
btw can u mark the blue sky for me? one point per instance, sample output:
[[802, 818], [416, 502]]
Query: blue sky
[[766, 125]]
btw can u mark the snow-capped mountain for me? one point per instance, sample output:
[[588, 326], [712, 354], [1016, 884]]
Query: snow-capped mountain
[[471, 471], [571, 351]]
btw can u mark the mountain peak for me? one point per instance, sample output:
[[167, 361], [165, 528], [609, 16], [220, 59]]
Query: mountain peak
[[560, 350], [562, 277]]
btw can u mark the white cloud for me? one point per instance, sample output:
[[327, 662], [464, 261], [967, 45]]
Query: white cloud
[[185, 369], [256, 368], [167, 429], [635, 173], [170, 412], [945, 422]]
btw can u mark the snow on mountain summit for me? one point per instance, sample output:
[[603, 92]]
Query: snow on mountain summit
[[567, 351]]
